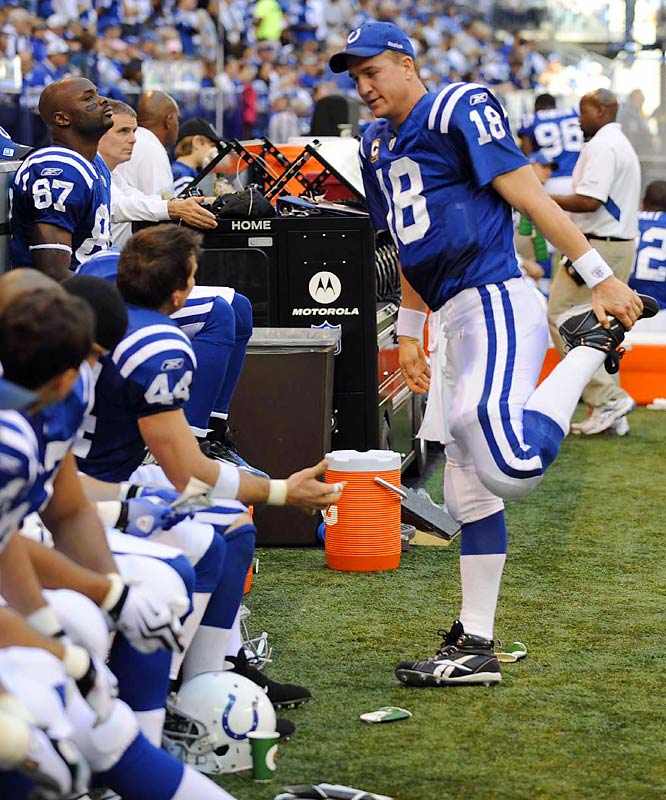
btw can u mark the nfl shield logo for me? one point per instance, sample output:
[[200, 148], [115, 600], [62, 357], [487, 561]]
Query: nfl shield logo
[[327, 326]]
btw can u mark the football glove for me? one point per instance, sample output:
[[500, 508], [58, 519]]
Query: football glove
[[99, 688], [132, 490], [149, 623], [143, 517], [56, 766]]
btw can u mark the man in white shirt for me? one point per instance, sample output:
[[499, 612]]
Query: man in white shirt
[[129, 203], [606, 185]]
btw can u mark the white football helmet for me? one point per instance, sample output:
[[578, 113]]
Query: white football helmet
[[209, 719]]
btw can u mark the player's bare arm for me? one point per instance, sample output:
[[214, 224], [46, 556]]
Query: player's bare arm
[[74, 523], [522, 189], [20, 585], [51, 251], [412, 358], [170, 440], [55, 571]]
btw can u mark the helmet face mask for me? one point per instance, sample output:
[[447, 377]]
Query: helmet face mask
[[209, 719], [257, 649]]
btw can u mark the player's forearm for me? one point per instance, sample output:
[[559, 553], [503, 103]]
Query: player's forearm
[[18, 581], [576, 203], [15, 632], [81, 537], [522, 190], [55, 571], [410, 297], [53, 263], [99, 491]]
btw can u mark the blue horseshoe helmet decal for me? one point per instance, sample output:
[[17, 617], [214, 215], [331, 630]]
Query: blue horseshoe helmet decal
[[225, 720]]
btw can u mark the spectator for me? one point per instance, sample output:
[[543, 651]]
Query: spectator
[[283, 123], [195, 148], [634, 125]]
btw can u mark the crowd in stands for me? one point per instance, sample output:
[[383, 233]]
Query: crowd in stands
[[263, 61], [274, 53]]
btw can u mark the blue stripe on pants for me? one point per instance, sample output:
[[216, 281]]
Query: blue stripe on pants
[[483, 415]]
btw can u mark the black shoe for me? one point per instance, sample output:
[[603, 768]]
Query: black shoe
[[223, 451], [285, 727], [461, 659], [282, 695], [586, 330]]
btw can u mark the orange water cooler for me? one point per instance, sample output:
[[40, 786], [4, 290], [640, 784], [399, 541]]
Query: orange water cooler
[[363, 529]]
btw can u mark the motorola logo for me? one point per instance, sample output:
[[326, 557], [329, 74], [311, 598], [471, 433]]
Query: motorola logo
[[325, 287]]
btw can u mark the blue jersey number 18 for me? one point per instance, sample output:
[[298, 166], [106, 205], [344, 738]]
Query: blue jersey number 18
[[405, 201]]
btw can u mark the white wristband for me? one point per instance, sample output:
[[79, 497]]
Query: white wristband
[[592, 268], [227, 483], [44, 621], [410, 323], [10, 704], [109, 512], [277, 493], [14, 740], [113, 595], [76, 661]]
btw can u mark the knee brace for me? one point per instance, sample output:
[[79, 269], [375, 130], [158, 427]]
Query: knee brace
[[81, 620], [466, 497]]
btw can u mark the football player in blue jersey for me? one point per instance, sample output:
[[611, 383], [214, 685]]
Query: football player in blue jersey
[[105, 730], [649, 273], [140, 395], [441, 172], [218, 321], [60, 198], [555, 132]]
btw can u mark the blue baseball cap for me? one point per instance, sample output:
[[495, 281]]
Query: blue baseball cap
[[14, 397], [541, 158], [9, 150], [369, 40]]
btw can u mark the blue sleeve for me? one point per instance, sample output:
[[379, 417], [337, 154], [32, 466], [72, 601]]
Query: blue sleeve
[[161, 382], [56, 194], [373, 194], [18, 471], [481, 128]]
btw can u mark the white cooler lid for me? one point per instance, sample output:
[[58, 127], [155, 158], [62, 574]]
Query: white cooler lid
[[363, 461]]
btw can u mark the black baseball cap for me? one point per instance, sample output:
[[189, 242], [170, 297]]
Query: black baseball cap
[[198, 126]]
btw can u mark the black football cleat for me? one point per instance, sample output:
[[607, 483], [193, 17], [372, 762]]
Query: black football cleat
[[281, 695], [584, 329], [462, 659]]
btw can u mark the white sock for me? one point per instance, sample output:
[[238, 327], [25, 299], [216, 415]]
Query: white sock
[[207, 651], [235, 642], [558, 396], [190, 627], [195, 785], [151, 724], [480, 577]]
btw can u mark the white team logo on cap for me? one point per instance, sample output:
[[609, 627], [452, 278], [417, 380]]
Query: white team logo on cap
[[353, 36]]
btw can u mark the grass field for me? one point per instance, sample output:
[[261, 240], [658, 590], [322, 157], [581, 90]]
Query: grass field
[[585, 587]]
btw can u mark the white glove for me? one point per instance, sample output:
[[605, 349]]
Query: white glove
[[99, 688], [148, 622], [56, 766]]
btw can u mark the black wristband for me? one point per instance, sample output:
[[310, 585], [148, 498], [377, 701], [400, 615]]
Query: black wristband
[[115, 612], [123, 517], [87, 681], [133, 490]]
